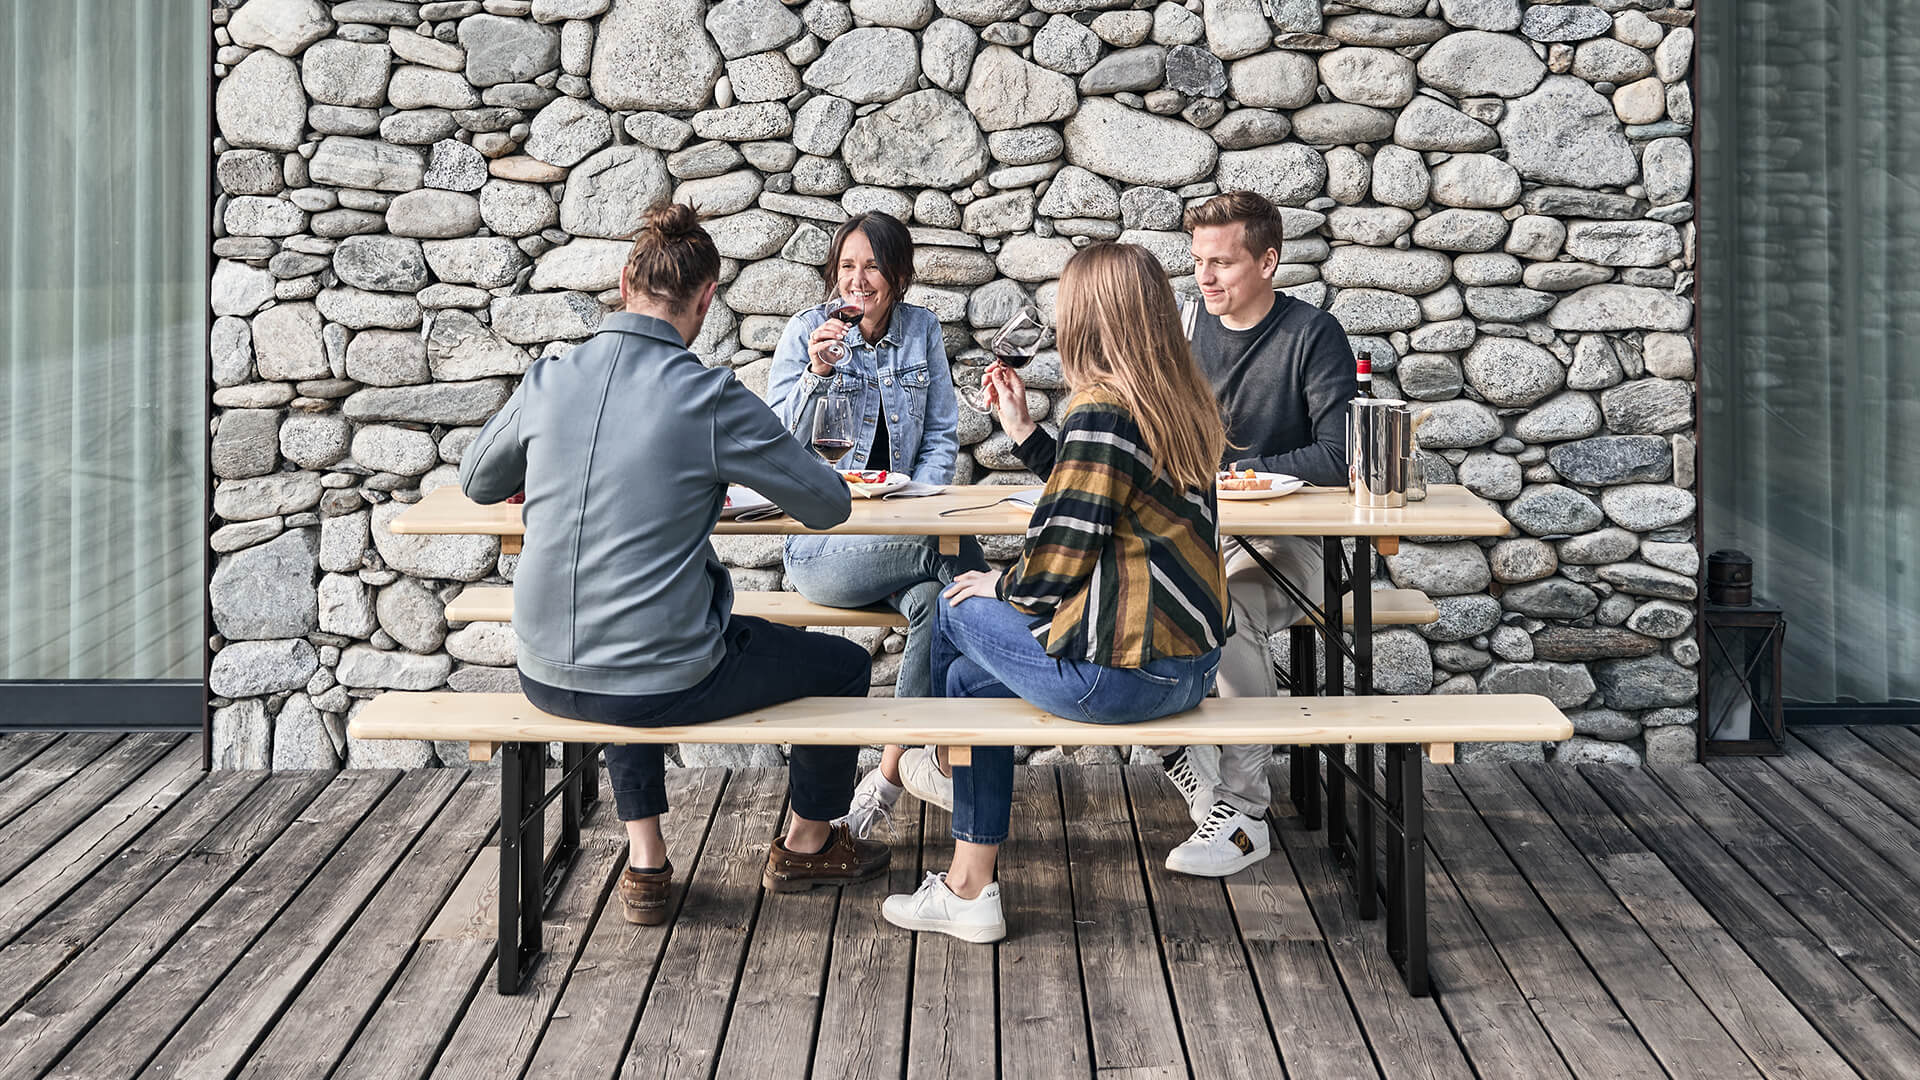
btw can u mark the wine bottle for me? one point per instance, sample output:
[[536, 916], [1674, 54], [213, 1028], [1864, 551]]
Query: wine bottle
[[1363, 375]]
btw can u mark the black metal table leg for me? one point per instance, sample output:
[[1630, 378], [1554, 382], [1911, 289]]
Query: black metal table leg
[[522, 832], [1361, 581], [1413, 872], [1396, 855], [1303, 761], [1333, 686]]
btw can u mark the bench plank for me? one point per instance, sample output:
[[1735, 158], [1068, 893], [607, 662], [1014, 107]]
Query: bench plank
[[825, 721], [494, 603]]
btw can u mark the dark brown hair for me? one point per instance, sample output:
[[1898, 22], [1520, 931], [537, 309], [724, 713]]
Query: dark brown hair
[[892, 249], [1261, 218], [673, 258]]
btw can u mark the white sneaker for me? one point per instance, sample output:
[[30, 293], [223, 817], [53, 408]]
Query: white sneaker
[[920, 772], [1227, 842], [872, 805], [934, 908], [1193, 787]]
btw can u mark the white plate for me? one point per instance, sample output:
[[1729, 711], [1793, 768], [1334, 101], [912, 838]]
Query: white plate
[[742, 499], [894, 482], [1281, 484]]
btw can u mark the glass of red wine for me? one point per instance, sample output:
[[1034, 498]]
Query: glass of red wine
[[850, 314], [833, 428], [1013, 345]]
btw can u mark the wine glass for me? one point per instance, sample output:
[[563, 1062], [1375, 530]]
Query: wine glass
[[850, 313], [833, 428], [1013, 345]]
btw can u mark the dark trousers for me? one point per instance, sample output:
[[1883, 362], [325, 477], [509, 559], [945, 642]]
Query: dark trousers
[[765, 664]]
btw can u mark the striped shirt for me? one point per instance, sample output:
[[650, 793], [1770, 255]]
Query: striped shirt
[[1121, 566]]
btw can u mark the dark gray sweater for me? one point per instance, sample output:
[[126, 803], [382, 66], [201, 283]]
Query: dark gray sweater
[[1283, 384]]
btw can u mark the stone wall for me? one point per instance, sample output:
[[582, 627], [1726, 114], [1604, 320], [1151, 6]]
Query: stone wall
[[418, 199]]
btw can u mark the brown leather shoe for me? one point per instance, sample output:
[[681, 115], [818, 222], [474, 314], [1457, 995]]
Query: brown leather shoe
[[643, 897], [847, 860]]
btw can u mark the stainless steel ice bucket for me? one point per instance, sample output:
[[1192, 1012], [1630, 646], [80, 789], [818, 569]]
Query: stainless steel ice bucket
[[1379, 452]]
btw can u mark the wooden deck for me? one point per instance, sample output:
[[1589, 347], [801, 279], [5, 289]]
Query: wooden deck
[[1753, 918]]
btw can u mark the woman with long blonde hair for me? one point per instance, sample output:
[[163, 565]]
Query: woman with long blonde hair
[[1116, 609]]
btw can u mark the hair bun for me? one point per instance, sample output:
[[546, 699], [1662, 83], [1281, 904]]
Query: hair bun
[[672, 221]]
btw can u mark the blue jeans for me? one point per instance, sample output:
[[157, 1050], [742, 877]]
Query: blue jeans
[[985, 649], [904, 572], [765, 664]]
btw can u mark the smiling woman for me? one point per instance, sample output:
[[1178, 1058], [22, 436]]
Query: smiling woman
[[102, 321]]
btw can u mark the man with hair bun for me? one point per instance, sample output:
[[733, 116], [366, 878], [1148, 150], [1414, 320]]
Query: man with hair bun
[[625, 446], [1283, 372]]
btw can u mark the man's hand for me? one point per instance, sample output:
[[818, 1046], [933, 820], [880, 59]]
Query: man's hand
[[818, 362], [982, 583], [1007, 397]]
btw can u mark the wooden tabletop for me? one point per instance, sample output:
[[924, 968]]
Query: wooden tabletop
[[1448, 510]]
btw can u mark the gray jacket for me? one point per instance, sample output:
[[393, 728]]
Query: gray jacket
[[625, 447]]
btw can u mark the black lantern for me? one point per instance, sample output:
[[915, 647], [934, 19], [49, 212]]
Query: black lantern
[[1743, 650]]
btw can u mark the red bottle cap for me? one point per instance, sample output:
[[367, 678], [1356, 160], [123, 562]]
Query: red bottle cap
[[1364, 365]]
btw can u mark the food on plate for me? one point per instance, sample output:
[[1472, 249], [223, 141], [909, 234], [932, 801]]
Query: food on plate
[[864, 476], [1245, 480]]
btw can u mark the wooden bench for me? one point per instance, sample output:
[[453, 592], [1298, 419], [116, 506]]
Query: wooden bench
[[1405, 725], [494, 603]]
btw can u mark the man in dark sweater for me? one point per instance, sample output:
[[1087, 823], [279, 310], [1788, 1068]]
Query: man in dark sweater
[[1284, 373]]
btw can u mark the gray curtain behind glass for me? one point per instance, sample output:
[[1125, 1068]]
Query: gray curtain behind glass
[[102, 324], [1810, 192]]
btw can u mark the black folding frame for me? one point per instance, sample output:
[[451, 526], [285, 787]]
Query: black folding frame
[[528, 882], [1400, 805]]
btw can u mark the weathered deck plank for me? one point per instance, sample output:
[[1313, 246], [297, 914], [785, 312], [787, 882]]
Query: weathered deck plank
[[1775, 1036], [951, 1031], [59, 1012], [41, 825], [863, 1020], [1129, 1005], [1593, 1036], [597, 1009], [234, 925], [686, 1011], [1409, 1036], [1220, 1014], [1043, 1026], [1673, 1022], [91, 844], [321, 1022], [1814, 940]]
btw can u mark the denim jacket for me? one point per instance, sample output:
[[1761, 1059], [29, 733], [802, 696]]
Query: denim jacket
[[903, 380]]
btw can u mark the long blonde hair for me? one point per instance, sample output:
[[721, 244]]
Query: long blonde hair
[[1119, 329]]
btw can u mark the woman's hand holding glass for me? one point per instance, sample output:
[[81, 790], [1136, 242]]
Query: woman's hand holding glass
[[1006, 395], [982, 583]]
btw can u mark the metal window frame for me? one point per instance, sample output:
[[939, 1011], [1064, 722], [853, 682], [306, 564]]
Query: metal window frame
[[171, 704]]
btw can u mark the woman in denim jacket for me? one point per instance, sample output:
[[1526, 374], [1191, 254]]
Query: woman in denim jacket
[[900, 392]]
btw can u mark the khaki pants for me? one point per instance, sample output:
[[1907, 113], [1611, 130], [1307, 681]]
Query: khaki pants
[[1260, 610]]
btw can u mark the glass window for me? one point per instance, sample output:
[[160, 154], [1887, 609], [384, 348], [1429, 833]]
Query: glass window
[[1810, 263], [103, 195]]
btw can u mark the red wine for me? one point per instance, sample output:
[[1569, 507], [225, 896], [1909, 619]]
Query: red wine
[[1363, 374], [1013, 359], [832, 449], [848, 314]]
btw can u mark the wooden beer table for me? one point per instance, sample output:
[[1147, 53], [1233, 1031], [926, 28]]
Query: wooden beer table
[[1449, 510]]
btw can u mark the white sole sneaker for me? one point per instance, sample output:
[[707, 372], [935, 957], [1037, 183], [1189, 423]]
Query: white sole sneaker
[[920, 774], [1226, 843], [934, 909]]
